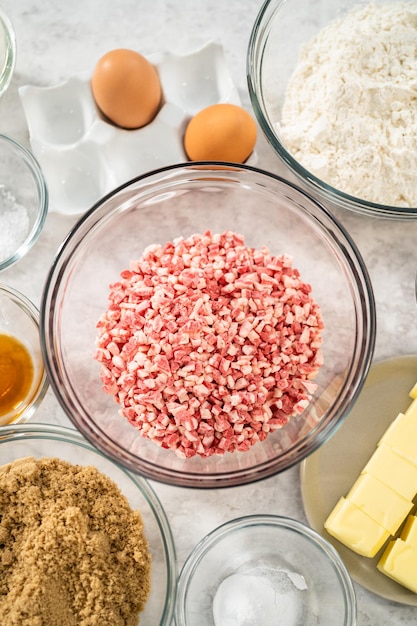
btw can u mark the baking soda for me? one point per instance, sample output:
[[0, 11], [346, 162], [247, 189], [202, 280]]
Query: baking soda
[[263, 597], [14, 224]]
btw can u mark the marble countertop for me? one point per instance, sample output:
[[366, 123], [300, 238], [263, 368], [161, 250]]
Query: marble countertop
[[56, 40]]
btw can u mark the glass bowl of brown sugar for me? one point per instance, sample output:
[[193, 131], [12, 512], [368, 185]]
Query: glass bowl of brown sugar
[[88, 540]]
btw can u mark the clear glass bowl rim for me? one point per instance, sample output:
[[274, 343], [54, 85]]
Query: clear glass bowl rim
[[254, 58], [43, 199], [275, 521], [70, 435], [11, 52], [357, 374]]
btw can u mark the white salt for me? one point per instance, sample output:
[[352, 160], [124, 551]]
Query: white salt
[[14, 223], [264, 597]]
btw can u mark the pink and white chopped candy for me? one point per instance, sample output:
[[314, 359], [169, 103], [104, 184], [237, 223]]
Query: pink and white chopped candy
[[208, 345]]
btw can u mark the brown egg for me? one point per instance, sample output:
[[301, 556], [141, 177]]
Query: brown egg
[[220, 132], [126, 88]]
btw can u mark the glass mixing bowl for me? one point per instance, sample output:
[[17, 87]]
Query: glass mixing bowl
[[264, 569], [39, 441], [179, 201], [280, 30]]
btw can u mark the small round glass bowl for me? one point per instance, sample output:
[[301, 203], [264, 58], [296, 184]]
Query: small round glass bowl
[[264, 569], [23, 201], [7, 52], [179, 201], [23, 380], [280, 30], [41, 440]]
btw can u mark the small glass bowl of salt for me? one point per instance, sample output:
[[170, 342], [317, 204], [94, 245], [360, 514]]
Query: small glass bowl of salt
[[261, 570], [23, 201]]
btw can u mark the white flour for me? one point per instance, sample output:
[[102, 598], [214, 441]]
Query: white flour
[[350, 111], [14, 224]]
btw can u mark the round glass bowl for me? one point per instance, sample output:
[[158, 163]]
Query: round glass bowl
[[66, 444], [23, 201], [281, 29], [179, 201], [264, 569], [7, 52], [23, 381]]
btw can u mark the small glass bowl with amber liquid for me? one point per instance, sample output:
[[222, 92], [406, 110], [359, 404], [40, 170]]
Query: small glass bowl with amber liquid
[[23, 381]]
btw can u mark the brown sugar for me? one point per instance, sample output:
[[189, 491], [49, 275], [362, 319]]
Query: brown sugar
[[72, 551]]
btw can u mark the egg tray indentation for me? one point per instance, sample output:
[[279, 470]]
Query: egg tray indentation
[[83, 156]]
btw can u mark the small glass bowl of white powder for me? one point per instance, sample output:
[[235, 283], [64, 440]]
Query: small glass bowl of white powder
[[333, 85], [23, 201], [261, 570]]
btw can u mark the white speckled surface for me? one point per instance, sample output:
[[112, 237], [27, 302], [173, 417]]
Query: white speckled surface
[[57, 40]]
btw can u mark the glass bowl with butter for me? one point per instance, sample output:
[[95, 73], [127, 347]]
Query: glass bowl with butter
[[331, 87], [23, 380], [366, 510], [264, 569]]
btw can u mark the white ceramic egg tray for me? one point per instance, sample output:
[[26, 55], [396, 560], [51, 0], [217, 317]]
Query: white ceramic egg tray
[[83, 156]]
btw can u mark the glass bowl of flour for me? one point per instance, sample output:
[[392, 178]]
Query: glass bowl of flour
[[261, 570], [23, 201], [333, 87]]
